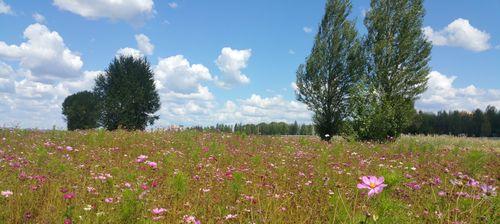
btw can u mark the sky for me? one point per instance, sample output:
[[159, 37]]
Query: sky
[[219, 61]]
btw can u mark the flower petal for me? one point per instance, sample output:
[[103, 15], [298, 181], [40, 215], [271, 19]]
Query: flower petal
[[363, 186]]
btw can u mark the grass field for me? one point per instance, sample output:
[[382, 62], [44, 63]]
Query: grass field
[[193, 177]]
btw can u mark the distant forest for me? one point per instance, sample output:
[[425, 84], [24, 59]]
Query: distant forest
[[477, 123]]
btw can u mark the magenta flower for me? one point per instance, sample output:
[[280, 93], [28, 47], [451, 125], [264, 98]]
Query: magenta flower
[[374, 184], [108, 200], [158, 211], [69, 196], [141, 158], [153, 165]]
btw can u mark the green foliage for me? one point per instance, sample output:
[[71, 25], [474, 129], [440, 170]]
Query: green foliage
[[474, 161], [325, 81], [180, 184], [130, 208], [397, 56], [81, 110], [127, 94]]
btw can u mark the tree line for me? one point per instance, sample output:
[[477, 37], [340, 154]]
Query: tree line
[[477, 123], [272, 128]]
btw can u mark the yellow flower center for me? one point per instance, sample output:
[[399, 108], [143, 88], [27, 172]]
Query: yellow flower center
[[372, 185]]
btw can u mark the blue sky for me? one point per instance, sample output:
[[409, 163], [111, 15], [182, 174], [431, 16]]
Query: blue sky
[[218, 61]]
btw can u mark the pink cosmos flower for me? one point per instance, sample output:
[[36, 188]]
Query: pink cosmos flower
[[6, 193], [374, 184], [190, 219], [153, 165], [141, 158], [69, 196], [158, 211]]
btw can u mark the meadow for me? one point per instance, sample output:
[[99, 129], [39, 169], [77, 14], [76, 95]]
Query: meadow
[[209, 177]]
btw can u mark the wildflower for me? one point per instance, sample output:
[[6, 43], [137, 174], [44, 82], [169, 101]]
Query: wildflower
[[69, 196], [436, 181], [6, 193], [158, 211], [127, 185], [152, 165], [67, 221], [190, 219], [473, 183], [87, 208], [374, 184], [442, 193], [141, 158], [488, 190], [108, 200], [414, 185], [69, 148], [230, 216]]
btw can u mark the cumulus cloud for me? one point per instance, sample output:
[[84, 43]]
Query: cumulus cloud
[[230, 62], [39, 18], [307, 29], [144, 44], [44, 53], [31, 95], [443, 95], [459, 33], [127, 10], [178, 75], [129, 52], [4, 8]]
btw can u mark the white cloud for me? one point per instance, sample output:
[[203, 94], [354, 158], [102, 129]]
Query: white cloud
[[44, 53], [31, 95], [290, 51], [127, 10], [294, 86], [260, 109], [6, 78], [39, 18], [4, 8], [176, 74], [443, 95], [129, 52], [307, 29], [173, 5], [459, 33], [231, 62], [144, 44]]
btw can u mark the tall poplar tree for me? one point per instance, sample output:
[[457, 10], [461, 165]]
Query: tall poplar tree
[[398, 55], [332, 69]]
